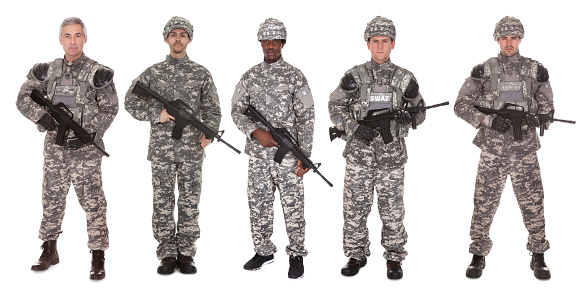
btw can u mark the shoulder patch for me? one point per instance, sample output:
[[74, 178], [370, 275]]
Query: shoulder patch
[[103, 77], [39, 71]]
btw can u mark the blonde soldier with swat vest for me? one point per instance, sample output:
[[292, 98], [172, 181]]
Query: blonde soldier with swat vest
[[513, 79], [281, 94], [176, 78], [375, 162], [86, 88]]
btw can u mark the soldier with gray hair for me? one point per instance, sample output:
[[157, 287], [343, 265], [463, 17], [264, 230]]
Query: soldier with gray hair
[[86, 88], [176, 78], [374, 162], [509, 79], [279, 92]]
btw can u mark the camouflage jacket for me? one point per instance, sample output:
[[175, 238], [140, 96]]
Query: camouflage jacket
[[341, 101], [176, 79], [281, 94], [488, 139], [96, 109]]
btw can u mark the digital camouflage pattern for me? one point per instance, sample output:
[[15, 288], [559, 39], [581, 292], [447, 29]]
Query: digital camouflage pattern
[[380, 26], [264, 177], [176, 79], [357, 202], [508, 26], [178, 22], [192, 83], [527, 186], [501, 155], [182, 235], [272, 29], [279, 92], [376, 166], [80, 167]]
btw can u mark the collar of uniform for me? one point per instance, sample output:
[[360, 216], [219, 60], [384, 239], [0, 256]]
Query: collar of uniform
[[274, 65], [511, 59], [172, 60], [375, 66], [77, 62]]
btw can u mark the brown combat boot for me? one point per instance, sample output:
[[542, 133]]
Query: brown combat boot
[[97, 265], [50, 256]]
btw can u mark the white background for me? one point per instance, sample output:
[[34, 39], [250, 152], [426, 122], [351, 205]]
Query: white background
[[439, 41]]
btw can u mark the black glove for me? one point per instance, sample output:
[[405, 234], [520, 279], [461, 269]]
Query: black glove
[[365, 133], [403, 117], [48, 122], [501, 124], [531, 120], [75, 143]]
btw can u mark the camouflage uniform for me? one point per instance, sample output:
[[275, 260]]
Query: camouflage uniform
[[281, 94], [94, 107], [192, 83], [377, 166], [501, 155]]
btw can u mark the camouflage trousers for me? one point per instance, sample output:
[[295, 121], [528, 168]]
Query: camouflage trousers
[[180, 237], [360, 181], [59, 172], [527, 186], [264, 177]]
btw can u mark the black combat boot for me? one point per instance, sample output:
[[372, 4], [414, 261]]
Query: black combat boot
[[394, 270], [540, 269], [352, 267], [296, 269], [50, 256], [475, 269], [167, 265], [186, 264], [97, 265]]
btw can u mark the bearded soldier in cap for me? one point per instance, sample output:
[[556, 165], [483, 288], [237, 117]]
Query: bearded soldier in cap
[[375, 162], [523, 82], [281, 94], [176, 78], [86, 88]]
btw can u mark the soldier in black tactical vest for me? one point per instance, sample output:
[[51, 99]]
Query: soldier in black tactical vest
[[86, 88]]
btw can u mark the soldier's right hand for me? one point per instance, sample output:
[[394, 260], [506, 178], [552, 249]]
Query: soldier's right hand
[[501, 124], [264, 137], [165, 117], [366, 133], [48, 122]]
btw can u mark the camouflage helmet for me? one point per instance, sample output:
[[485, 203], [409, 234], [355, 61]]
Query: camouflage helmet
[[272, 29], [380, 26], [508, 26], [177, 22]]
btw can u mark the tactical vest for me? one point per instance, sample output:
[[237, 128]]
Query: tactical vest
[[513, 87], [373, 94], [71, 90]]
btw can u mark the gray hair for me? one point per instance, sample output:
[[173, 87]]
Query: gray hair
[[72, 21]]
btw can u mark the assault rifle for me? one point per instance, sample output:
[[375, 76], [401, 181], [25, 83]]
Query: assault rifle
[[178, 110], [512, 112], [65, 121], [285, 141], [382, 118]]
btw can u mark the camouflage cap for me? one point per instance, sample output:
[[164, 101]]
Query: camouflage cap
[[380, 26], [508, 26], [272, 29], [177, 22]]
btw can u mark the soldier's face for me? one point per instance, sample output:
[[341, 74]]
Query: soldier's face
[[380, 47], [72, 39], [178, 39], [509, 45], [272, 50]]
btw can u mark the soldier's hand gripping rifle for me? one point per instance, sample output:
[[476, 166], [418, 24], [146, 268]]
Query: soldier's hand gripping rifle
[[285, 142], [65, 121], [384, 117], [516, 114], [182, 118]]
